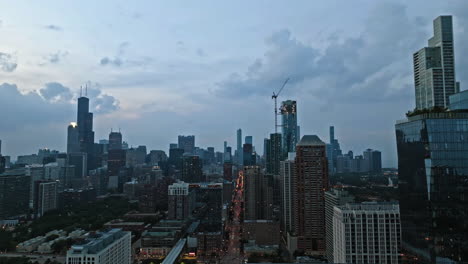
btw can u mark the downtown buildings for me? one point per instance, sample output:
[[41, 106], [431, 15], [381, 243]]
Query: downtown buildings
[[432, 147]]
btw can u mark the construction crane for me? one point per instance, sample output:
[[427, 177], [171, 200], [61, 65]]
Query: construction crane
[[274, 96]]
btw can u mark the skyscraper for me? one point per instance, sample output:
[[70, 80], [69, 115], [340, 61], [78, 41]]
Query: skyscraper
[[187, 143], [85, 127], [333, 151], [273, 154], [258, 194], [248, 155], [289, 126], [434, 67], [181, 201], [73, 141], [192, 169], [240, 158], [310, 182], [287, 174], [14, 193], [373, 158], [115, 140], [432, 149]]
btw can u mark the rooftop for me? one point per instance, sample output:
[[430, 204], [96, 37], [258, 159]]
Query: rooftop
[[94, 243], [311, 140]]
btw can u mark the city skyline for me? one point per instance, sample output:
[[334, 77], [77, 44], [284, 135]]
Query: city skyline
[[182, 106]]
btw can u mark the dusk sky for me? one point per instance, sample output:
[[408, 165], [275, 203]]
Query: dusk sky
[[158, 69]]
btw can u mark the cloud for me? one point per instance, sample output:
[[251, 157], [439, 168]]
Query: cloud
[[374, 65], [8, 62], [201, 52], [54, 58], [101, 103], [111, 61], [29, 109], [54, 27], [121, 59], [56, 92]]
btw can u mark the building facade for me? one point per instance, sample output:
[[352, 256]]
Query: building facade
[[181, 201], [290, 137], [367, 233], [111, 247], [310, 183], [187, 143], [434, 67], [333, 197]]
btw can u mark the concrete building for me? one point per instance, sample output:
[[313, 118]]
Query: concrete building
[[111, 247], [14, 193], [46, 197], [192, 169], [258, 195], [333, 197], [181, 201], [367, 233], [287, 174], [310, 182], [264, 232], [434, 67]]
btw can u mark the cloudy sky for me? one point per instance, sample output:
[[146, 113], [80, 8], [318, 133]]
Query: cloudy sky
[[157, 69]]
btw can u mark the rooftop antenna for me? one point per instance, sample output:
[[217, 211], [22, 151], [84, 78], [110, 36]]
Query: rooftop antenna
[[81, 90], [86, 90], [111, 130], [274, 96]]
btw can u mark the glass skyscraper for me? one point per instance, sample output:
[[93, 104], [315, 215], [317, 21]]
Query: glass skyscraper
[[433, 184], [289, 126]]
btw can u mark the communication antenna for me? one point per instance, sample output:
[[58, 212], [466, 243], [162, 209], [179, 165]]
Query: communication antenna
[[275, 96], [86, 90], [81, 90]]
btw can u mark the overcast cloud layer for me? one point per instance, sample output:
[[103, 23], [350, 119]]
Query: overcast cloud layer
[[160, 70]]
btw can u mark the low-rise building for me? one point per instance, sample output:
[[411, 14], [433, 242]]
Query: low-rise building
[[110, 247]]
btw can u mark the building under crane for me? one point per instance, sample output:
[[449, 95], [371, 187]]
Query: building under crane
[[275, 96]]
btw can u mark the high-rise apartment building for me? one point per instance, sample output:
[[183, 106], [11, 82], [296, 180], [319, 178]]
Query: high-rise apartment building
[[14, 193], [248, 155], [181, 201], [289, 127], [273, 153], [258, 194], [187, 143], [192, 169], [333, 197], [333, 151], [46, 197], [286, 181], [240, 158], [110, 247], [310, 183], [434, 67], [366, 233], [373, 159]]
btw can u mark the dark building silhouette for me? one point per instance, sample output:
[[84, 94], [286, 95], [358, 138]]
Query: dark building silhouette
[[14, 193], [187, 143], [258, 195], [289, 126], [85, 130], [308, 192], [73, 142], [192, 169], [115, 140], [273, 154], [248, 155]]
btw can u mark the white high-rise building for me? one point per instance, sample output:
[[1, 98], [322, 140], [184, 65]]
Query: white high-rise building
[[368, 232], [111, 247]]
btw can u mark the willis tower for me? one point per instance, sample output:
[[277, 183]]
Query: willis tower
[[85, 130]]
